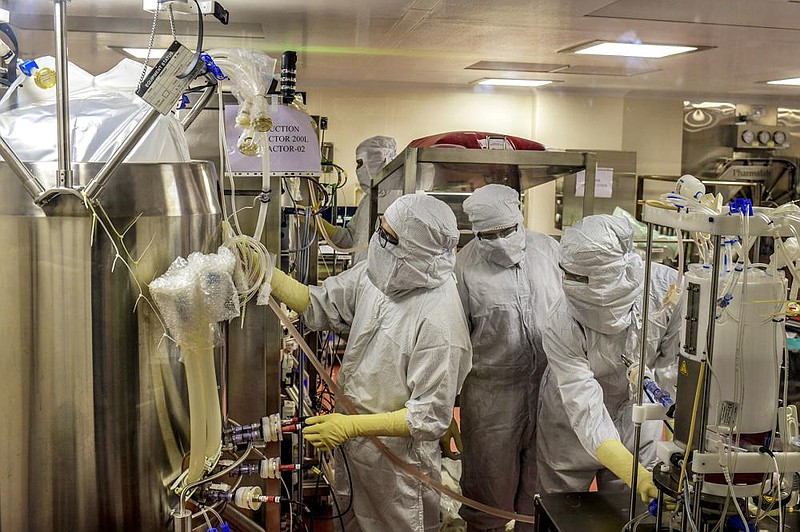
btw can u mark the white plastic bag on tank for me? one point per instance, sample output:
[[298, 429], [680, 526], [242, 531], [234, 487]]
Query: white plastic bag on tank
[[104, 110]]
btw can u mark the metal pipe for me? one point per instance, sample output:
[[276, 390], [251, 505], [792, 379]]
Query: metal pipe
[[182, 521], [64, 176], [96, 184], [702, 410], [32, 185], [201, 103], [637, 434], [590, 168]]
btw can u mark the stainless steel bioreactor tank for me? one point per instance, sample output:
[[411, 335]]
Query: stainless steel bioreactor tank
[[94, 416]]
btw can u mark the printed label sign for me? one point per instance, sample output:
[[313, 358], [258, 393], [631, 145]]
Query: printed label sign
[[603, 183], [293, 144], [162, 88]]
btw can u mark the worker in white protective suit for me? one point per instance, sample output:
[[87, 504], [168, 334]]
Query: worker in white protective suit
[[406, 358], [507, 277], [591, 339], [371, 156]]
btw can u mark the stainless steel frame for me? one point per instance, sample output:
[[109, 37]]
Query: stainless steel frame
[[569, 206], [64, 144], [533, 168]]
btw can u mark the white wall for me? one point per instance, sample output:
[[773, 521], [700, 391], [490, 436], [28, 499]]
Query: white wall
[[652, 128]]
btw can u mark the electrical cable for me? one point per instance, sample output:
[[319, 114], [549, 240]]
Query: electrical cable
[[288, 496], [350, 490]]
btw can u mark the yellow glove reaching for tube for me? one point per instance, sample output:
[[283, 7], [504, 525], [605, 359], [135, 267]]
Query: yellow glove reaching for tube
[[328, 229], [613, 455], [290, 291], [327, 432], [452, 433]]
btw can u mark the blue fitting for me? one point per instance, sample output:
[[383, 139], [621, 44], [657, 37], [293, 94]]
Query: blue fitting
[[735, 523], [724, 301], [213, 529], [741, 206], [652, 508], [224, 527], [184, 101], [212, 67], [28, 67]]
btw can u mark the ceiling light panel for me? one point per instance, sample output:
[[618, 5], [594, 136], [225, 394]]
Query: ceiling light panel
[[500, 82], [789, 81], [515, 66], [641, 50]]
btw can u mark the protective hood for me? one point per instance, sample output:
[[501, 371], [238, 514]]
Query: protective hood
[[374, 153], [601, 248], [424, 256], [495, 207]]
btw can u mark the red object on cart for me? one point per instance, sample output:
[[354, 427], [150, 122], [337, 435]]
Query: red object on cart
[[475, 140]]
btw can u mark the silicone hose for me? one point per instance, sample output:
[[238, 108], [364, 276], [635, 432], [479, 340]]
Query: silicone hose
[[197, 414], [213, 416]]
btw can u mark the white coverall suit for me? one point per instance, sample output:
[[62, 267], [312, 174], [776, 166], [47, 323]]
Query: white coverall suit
[[408, 347], [506, 286], [585, 395]]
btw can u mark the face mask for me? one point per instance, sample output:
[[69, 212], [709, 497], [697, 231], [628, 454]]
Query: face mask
[[364, 179], [505, 252], [390, 274]]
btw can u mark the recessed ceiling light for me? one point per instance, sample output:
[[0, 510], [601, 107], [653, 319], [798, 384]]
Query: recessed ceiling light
[[141, 53], [514, 82], [789, 81], [624, 49]]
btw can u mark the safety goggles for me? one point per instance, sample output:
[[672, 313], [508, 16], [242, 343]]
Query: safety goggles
[[494, 234], [569, 276], [383, 236]]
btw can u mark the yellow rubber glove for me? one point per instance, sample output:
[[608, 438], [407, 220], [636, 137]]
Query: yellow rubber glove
[[617, 459], [290, 291], [452, 433], [327, 432], [330, 230]]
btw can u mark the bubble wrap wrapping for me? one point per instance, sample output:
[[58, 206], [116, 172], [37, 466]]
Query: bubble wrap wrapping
[[194, 294]]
